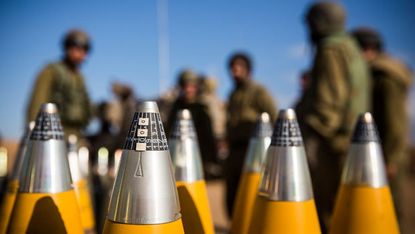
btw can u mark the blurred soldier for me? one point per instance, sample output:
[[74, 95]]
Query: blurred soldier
[[188, 98], [104, 138], [62, 83], [304, 84], [247, 100], [391, 81], [216, 107], [165, 102], [337, 93], [127, 101], [217, 113]]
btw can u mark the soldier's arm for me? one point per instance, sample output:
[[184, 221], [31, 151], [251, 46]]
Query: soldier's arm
[[394, 117], [330, 93], [266, 103], [40, 93], [89, 109]]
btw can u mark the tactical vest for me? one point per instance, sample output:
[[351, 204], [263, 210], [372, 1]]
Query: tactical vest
[[69, 93]]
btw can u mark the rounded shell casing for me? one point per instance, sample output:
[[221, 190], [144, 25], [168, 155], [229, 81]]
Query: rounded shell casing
[[184, 149], [364, 164], [286, 176], [45, 166], [145, 189]]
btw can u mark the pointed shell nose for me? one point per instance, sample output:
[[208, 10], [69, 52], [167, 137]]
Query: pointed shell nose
[[184, 115], [184, 149], [364, 163], [365, 130], [264, 117], [144, 190], [47, 171], [49, 108], [366, 118], [287, 114], [148, 106], [286, 176]]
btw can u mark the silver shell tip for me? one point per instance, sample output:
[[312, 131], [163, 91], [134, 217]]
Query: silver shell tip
[[366, 117], [72, 139], [264, 117], [148, 106], [184, 115], [287, 114], [49, 108]]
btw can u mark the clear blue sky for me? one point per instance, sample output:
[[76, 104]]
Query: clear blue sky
[[202, 34]]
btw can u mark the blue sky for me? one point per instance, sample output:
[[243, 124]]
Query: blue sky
[[201, 35]]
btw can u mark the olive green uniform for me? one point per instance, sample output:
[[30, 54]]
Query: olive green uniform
[[246, 102], [391, 83], [338, 92], [58, 84]]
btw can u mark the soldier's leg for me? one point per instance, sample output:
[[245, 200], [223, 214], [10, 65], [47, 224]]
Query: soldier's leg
[[311, 144], [328, 181], [233, 170], [396, 185], [325, 173]]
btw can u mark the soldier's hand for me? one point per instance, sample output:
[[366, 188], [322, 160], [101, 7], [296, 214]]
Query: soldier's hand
[[391, 170]]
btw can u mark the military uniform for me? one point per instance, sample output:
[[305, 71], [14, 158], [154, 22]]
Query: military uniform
[[58, 84], [391, 83], [246, 102], [338, 92]]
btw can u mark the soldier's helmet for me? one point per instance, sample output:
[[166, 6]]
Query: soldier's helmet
[[187, 76], [324, 18], [77, 38]]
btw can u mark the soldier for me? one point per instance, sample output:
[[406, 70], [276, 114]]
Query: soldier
[[189, 98], [127, 104], [391, 81], [304, 84], [63, 84], [337, 93], [217, 112], [216, 107], [247, 100]]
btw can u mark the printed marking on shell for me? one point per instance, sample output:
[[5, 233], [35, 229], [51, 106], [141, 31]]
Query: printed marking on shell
[[143, 121], [142, 132], [146, 133], [140, 146]]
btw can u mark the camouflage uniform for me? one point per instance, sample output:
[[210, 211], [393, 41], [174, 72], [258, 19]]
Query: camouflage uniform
[[338, 92], [246, 102], [58, 84], [391, 83]]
